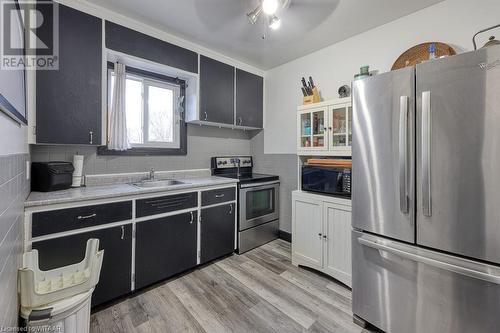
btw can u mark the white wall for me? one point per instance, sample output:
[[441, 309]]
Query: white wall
[[452, 21]]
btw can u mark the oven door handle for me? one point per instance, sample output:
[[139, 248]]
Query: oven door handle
[[260, 184]]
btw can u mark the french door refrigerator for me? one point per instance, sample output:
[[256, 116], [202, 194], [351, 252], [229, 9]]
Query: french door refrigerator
[[426, 196]]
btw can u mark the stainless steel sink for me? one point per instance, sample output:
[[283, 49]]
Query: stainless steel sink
[[158, 183]]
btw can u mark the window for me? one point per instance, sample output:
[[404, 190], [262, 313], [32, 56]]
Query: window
[[152, 112], [155, 123]]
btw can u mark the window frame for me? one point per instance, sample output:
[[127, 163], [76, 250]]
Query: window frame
[[179, 146]]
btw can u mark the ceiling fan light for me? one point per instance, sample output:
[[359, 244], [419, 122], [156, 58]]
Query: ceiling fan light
[[253, 16], [274, 22], [270, 6]]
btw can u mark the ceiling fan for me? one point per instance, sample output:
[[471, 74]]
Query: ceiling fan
[[268, 8]]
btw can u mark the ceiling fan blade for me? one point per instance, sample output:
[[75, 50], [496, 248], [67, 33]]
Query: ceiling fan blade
[[228, 17], [305, 15], [220, 14]]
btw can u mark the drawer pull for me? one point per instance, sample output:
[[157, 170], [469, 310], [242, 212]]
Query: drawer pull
[[87, 217], [166, 206], [167, 200], [218, 196]]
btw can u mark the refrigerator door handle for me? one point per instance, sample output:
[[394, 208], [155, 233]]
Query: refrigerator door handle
[[403, 154], [426, 154], [437, 263]]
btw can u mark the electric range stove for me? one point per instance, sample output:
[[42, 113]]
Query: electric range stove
[[258, 200]]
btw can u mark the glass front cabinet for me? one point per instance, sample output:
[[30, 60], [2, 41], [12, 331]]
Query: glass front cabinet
[[312, 131], [325, 127]]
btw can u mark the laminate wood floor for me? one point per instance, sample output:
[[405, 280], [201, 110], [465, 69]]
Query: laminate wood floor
[[259, 291]]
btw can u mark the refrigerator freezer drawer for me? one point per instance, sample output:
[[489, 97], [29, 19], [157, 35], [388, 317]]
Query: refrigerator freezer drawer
[[402, 288]]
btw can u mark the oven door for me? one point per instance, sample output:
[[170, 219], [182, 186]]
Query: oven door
[[259, 203]]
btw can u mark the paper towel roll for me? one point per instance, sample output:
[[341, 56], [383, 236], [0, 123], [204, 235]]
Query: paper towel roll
[[77, 174]]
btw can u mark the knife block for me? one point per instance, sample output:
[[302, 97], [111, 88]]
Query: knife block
[[314, 98]]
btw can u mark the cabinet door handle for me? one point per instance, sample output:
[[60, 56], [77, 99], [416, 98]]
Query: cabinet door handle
[[240, 121], [122, 237], [91, 134], [206, 115], [230, 209], [192, 218], [218, 196], [87, 217]]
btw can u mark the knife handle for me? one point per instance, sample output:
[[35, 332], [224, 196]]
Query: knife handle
[[311, 81]]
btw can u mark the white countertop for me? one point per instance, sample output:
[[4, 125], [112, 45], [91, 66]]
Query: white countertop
[[119, 190]]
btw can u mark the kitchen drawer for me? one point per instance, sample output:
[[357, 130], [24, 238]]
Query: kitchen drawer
[[54, 221], [165, 204], [213, 197]]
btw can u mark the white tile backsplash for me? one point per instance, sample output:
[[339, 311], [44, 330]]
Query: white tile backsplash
[[14, 188], [203, 143]]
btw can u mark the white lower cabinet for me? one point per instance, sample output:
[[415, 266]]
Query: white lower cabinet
[[307, 231], [321, 234], [337, 247]]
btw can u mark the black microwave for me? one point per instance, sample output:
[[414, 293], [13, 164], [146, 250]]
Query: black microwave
[[329, 180]]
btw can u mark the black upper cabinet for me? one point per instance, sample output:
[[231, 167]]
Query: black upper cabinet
[[217, 231], [216, 91], [165, 247], [249, 99], [68, 100], [115, 278], [122, 39]]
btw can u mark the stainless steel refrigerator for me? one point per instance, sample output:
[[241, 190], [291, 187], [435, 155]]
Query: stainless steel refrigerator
[[426, 196]]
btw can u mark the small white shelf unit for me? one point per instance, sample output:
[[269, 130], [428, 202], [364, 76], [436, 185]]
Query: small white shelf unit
[[321, 224], [325, 128]]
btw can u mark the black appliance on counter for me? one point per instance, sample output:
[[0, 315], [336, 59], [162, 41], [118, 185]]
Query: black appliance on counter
[[328, 180], [258, 200], [51, 176]]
